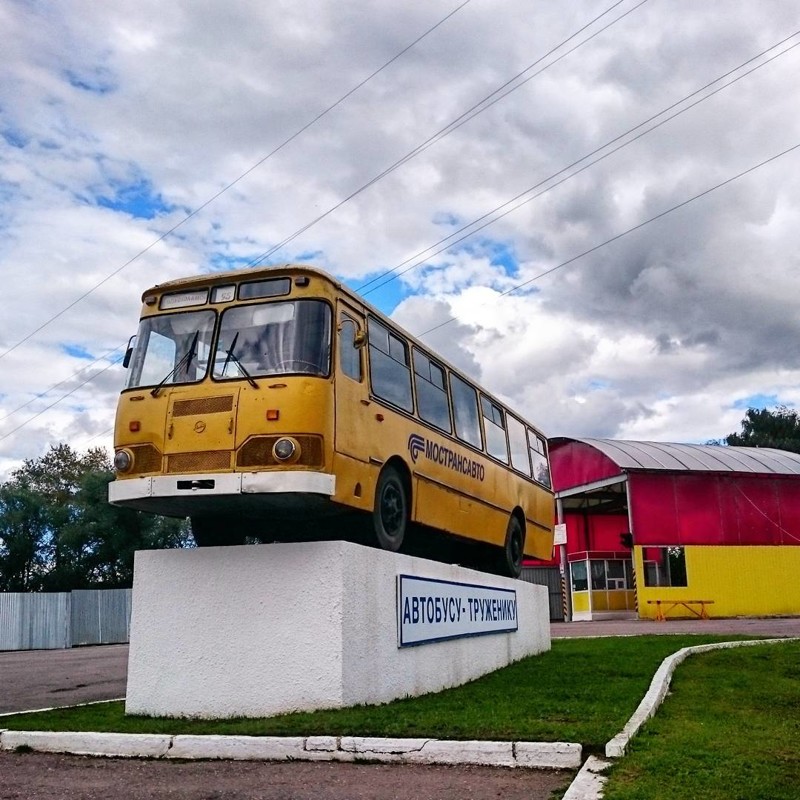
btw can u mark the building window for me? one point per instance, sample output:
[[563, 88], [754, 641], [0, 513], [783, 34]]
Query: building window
[[580, 582], [665, 566]]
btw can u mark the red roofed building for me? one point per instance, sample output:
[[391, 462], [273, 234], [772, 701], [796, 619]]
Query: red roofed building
[[656, 529]]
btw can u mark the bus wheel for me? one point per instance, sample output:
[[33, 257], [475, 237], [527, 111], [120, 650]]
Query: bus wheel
[[390, 514], [510, 559], [211, 532]]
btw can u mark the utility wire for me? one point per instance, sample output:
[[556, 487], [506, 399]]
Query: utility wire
[[478, 108], [75, 374], [232, 183], [618, 236], [394, 274], [522, 198], [57, 401]]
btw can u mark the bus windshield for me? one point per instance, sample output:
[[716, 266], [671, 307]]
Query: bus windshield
[[173, 348], [274, 339]]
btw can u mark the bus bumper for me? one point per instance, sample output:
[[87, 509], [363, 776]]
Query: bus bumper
[[226, 492]]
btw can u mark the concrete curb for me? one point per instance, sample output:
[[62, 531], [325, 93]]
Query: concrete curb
[[616, 747], [589, 782], [528, 755]]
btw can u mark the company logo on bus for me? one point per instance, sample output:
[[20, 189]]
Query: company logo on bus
[[420, 447]]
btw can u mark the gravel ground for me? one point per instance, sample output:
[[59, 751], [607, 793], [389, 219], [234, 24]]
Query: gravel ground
[[47, 776]]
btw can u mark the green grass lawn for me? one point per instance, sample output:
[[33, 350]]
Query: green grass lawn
[[729, 729], [583, 690]]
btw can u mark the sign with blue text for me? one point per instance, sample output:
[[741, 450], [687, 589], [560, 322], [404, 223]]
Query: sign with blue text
[[430, 610]]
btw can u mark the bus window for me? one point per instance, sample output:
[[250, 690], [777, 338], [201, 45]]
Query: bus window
[[494, 428], [538, 451], [465, 411], [519, 446], [388, 367], [349, 354], [274, 339], [431, 392], [171, 349]]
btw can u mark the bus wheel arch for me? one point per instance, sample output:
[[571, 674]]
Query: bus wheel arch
[[513, 549], [391, 512]]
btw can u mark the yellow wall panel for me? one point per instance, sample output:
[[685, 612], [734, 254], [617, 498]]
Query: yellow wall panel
[[742, 581]]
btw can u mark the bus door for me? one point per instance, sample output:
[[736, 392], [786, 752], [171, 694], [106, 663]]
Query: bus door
[[201, 427], [355, 413]]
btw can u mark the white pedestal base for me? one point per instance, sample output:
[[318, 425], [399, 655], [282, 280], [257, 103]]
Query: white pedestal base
[[260, 630]]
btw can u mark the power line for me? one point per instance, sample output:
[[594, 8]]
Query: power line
[[75, 374], [478, 108], [470, 228], [57, 401], [522, 195], [629, 231], [232, 183]]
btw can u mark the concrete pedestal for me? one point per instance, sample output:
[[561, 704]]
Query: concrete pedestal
[[265, 629]]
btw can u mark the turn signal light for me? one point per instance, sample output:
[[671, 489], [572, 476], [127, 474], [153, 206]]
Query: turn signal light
[[134, 426], [273, 414]]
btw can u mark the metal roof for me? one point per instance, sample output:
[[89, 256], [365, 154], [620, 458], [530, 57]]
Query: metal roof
[[667, 456]]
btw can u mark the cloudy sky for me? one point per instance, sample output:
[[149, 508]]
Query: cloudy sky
[[591, 206]]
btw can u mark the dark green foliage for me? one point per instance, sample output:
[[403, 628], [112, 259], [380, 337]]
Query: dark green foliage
[[763, 428], [58, 532]]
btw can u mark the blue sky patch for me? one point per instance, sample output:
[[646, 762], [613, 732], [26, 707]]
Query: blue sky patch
[[77, 351], [98, 80], [384, 298], [757, 401], [14, 137], [137, 199]]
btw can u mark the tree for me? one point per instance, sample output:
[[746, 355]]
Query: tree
[[764, 428], [24, 537], [58, 531]]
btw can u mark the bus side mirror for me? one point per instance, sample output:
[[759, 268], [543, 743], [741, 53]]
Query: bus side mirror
[[359, 339], [126, 361]]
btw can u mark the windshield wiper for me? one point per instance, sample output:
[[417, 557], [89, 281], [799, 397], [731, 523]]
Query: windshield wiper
[[186, 360], [230, 356]]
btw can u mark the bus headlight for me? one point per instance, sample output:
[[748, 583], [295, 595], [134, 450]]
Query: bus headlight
[[286, 450], [123, 460]]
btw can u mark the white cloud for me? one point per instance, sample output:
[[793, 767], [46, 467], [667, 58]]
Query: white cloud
[[656, 335]]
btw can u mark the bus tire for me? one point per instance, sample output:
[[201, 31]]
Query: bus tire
[[390, 513], [510, 559]]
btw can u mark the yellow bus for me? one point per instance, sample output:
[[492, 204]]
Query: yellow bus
[[267, 404]]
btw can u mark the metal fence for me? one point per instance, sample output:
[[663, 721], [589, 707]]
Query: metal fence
[[551, 578], [55, 620]]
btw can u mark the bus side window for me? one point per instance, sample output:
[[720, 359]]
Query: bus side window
[[495, 430], [349, 353], [538, 451], [520, 459], [465, 411], [429, 382], [389, 370]]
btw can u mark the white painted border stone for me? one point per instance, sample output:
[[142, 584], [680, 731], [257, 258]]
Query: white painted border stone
[[589, 782], [129, 745], [616, 747], [525, 755]]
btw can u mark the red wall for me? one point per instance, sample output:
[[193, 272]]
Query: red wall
[[715, 509]]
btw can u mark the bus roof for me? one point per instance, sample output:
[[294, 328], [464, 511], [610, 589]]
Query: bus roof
[[290, 269]]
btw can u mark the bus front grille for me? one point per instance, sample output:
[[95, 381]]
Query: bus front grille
[[202, 405], [257, 452], [208, 461], [146, 458]]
